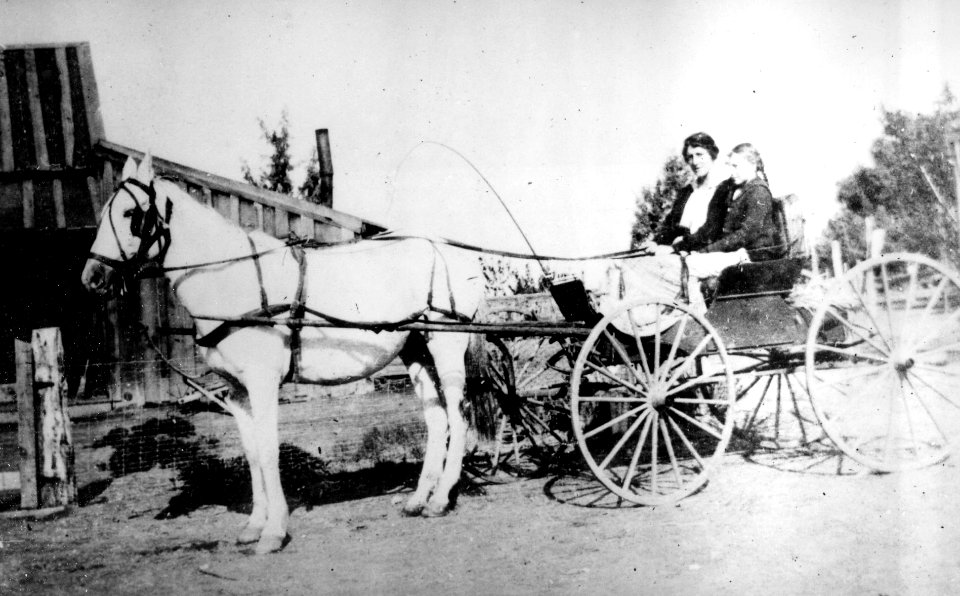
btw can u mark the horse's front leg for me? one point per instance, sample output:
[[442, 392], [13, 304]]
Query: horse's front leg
[[436, 420], [263, 390], [258, 517], [448, 351]]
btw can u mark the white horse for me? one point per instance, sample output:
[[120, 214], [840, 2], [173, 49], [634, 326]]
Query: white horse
[[219, 270]]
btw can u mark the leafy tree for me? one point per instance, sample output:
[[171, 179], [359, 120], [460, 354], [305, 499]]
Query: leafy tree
[[276, 175], [909, 190], [311, 184], [654, 202]]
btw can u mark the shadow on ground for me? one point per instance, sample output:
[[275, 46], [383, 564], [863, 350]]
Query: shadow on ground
[[204, 478]]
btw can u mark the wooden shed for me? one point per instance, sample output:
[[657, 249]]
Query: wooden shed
[[56, 171]]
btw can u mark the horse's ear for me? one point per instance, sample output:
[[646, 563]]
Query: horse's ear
[[145, 171], [129, 169]]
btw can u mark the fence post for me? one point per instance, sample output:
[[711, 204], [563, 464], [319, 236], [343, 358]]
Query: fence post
[[57, 482], [26, 426]]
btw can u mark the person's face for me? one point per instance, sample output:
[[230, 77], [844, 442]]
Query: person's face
[[699, 160], [741, 170]]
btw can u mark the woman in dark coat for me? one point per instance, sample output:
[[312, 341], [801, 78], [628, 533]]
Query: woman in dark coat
[[749, 220], [696, 217]]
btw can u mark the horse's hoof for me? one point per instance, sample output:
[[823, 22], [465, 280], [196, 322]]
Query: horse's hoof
[[270, 543], [432, 510], [249, 535], [412, 509]]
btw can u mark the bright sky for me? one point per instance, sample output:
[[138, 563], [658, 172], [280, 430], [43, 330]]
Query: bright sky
[[567, 108]]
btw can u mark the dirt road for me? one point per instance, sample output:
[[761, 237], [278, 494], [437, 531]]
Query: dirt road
[[756, 529]]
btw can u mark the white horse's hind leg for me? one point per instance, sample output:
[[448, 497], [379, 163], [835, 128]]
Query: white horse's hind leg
[[263, 390], [414, 356], [448, 351]]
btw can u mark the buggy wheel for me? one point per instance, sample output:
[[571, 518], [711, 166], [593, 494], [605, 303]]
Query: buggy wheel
[[647, 413], [527, 377], [883, 362]]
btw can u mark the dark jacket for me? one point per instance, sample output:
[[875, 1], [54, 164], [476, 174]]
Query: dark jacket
[[749, 223], [711, 229]]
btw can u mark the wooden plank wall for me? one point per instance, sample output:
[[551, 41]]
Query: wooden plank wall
[[49, 123]]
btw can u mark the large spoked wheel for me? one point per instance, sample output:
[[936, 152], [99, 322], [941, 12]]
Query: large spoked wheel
[[528, 379], [883, 362], [651, 397]]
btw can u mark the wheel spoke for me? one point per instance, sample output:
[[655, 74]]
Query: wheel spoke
[[907, 415], [888, 444], [882, 374], [930, 414], [635, 458], [912, 268], [854, 355], [656, 343], [869, 313], [689, 360], [686, 442], [887, 299], [615, 379], [693, 382], [594, 431], [937, 391], [612, 399], [636, 338], [742, 392], [527, 381], [623, 440], [697, 423], [653, 458], [928, 309], [535, 418], [618, 348], [796, 410], [851, 374], [756, 409], [673, 458], [668, 363], [861, 332]]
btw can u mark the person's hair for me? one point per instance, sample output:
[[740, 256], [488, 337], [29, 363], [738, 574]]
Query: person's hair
[[753, 156], [700, 139]]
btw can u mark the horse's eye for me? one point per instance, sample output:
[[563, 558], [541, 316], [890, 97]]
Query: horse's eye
[[128, 213]]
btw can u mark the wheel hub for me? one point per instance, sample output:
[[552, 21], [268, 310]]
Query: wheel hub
[[902, 362], [657, 395]]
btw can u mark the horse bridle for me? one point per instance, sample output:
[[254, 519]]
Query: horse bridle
[[146, 224]]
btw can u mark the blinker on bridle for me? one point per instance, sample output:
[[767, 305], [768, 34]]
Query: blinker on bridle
[[145, 224]]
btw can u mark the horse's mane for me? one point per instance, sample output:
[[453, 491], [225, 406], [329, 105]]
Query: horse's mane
[[205, 213]]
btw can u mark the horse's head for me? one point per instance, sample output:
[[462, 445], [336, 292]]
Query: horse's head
[[133, 228]]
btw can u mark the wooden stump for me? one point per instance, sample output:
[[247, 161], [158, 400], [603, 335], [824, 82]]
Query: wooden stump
[[46, 445]]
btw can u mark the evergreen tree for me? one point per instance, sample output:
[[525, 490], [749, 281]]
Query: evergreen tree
[[311, 184], [276, 175], [654, 202]]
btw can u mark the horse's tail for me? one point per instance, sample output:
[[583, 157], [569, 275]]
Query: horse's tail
[[483, 409]]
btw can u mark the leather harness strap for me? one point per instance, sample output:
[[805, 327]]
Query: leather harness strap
[[297, 309]]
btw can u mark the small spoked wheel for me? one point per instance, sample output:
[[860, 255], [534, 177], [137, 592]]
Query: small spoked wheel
[[774, 412], [883, 362], [651, 396], [527, 377]]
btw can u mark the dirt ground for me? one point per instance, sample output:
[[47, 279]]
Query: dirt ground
[[775, 522]]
